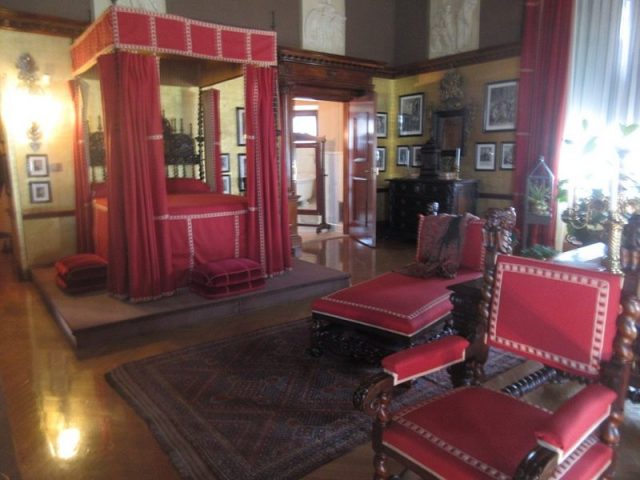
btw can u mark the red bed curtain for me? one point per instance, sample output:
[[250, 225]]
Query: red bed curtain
[[542, 97], [266, 175], [139, 244], [84, 237]]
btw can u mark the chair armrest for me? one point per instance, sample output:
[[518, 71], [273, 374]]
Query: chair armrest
[[575, 420], [424, 359]]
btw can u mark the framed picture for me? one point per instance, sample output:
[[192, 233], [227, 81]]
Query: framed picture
[[381, 124], [240, 126], [242, 184], [411, 114], [40, 192], [403, 154], [225, 165], [242, 165], [507, 155], [226, 183], [448, 130], [500, 106], [485, 156], [37, 165], [381, 159], [416, 158]]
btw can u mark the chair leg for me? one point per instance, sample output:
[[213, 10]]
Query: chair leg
[[379, 464]]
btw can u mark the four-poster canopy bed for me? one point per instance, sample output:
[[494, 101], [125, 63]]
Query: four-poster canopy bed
[[153, 239]]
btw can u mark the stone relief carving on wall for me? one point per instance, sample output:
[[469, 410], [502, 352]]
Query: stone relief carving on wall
[[454, 27], [323, 26], [157, 6]]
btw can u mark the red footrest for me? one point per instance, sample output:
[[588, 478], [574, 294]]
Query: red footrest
[[229, 276]]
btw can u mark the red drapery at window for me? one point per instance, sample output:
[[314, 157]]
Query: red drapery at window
[[542, 97], [84, 237], [139, 245], [266, 177]]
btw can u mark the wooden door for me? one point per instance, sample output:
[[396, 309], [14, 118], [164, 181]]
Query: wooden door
[[360, 185]]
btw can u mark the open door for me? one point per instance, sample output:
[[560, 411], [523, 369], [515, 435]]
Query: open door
[[360, 187]]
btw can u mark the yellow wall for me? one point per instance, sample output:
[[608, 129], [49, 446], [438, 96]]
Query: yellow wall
[[39, 240], [476, 77]]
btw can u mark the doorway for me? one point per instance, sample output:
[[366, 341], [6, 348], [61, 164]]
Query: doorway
[[318, 165]]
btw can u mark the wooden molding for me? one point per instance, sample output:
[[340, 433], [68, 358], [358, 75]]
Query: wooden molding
[[496, 196], [459, 60], [44, 24], [309, 57], [35, 215]]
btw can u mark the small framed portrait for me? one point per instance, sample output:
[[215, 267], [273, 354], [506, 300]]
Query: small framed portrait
[[485, 156], [507, 155], [416, 157], [381, 124], [241, 140], [37, 165], [225, 162], [500, 106], [40, 192], [403, 155], [411, 115], [226, 183], [381, 159]]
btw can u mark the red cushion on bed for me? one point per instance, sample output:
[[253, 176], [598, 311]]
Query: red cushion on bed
[[82, 272], [229, 276], [394, 302], [462, 434], [186, 185]]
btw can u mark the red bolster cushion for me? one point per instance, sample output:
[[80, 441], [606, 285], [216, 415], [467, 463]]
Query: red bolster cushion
[[81, 267], [228, 271], [186, 185], [423, 359], [575, 419]]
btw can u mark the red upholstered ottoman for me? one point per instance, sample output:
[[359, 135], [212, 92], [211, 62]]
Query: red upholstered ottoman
[[230, 276], [80, 273], [391, 309]]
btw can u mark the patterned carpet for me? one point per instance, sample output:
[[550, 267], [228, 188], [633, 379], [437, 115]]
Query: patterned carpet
[[255, 406]]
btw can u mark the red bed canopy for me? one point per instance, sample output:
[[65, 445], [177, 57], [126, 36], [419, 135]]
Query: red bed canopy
[[125, 44]]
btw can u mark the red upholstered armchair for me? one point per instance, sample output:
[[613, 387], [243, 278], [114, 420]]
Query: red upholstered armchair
[[562, 316]]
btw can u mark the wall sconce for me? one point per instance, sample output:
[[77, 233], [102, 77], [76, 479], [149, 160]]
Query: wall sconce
[[34, 104]]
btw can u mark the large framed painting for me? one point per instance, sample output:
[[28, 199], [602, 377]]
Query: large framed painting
[[500, 106], [411, 115]]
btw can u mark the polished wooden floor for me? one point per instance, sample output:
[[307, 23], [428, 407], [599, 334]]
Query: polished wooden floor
[[67, 423]]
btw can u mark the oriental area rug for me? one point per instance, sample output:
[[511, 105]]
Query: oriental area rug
[[257, 406]]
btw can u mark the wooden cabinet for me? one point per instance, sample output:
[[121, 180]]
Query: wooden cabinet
[[409, 197]]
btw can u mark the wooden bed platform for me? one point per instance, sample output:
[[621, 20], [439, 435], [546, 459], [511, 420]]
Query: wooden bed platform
[[95, 320]]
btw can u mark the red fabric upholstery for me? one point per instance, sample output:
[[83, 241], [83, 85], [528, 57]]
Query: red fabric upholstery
[[99, 190], [393, 302], [424, 359], [226, 277], [82, 272], [576, 418], [539, 325], [194, 219], [463, 435], [128, 29], [473, 251], [439, 246], [186, 185]]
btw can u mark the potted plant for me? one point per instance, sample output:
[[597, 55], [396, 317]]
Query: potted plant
[[539, 197]]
